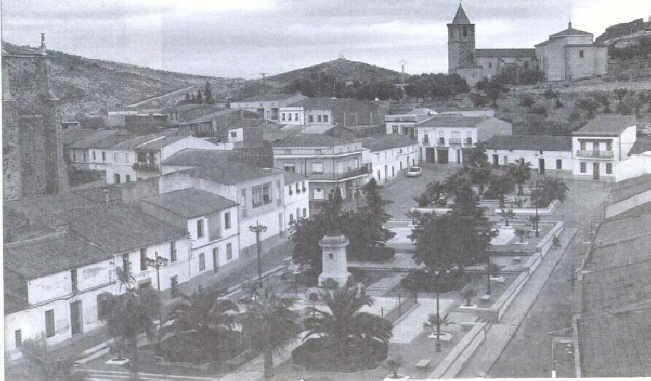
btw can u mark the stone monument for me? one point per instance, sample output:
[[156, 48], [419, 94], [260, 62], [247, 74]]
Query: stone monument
[[334, 261]]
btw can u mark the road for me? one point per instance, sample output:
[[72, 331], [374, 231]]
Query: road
[[528, 354]]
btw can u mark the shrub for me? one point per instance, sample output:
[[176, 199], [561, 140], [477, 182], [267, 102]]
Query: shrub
[[314, 354], [423, 281], [468, 293]]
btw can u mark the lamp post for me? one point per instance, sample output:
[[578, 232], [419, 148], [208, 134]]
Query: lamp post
[[157, 262], [257, 229], [488, 273], [535, 201]]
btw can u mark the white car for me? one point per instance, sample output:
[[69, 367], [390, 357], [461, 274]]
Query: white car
[[414, 171]]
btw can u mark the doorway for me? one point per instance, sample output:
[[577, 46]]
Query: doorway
[[442, 156], [429, 155], [75, 317], [595, 171], [496, 160], [541, 166]]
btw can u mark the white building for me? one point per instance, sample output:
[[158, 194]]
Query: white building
[[638, 163], [601, 144], [401, 122], [543, 152], [443, 137], [211, 221], [55, 284], [388, 155], [297, 198], [267, 106]]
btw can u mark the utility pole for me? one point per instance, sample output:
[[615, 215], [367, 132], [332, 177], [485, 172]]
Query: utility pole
[[257, 229]]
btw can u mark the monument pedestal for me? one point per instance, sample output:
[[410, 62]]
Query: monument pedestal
[[334, 260]]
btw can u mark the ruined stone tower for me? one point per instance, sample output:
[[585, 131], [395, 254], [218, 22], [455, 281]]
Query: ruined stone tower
[[31, 129], [461, 42]]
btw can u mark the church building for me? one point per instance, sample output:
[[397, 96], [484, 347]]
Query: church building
[[472, 64]]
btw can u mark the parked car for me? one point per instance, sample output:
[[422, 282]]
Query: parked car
[[414, 171]]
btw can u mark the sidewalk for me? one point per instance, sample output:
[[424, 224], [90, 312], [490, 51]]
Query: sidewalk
[[499, 334]]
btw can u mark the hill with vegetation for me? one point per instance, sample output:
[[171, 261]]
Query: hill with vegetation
[[87, 85]]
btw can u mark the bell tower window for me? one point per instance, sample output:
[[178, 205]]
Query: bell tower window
[[465, 31]]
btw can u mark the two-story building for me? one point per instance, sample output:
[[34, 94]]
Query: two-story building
[[259, 192], [543, 152], [443, 137], [267, 106], [402, 121], [326, 112], [55, 284], [211, 221], [87, 149], [601, 144], [297, 199], [327, 162], [388, 155]]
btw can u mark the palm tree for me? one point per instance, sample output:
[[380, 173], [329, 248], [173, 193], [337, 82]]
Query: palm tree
[[345, 328], [130, 314], [520, 171], [270, 323], [204, 317]]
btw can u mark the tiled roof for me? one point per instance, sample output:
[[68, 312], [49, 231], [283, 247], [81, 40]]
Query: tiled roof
[[191, 203], [326, 103], [91, 140], [606, 125], [460, 17], [623, 190], [505, 53], [530, 143], [382, 142], [231, 172], [152, 142], [450, 120], [642, 144], [197, 158], [120, 229], [310, 140], [570, 32], [71, 135], [40, 257]]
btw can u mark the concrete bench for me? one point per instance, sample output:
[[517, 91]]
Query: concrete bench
[[423, 364]]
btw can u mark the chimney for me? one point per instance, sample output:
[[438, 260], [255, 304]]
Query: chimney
[[43, 49]]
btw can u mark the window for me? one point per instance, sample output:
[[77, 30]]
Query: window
[[310, 118], [116, 178], [125, 264], [282, 116], [296, 116], [609, 145], [468, 140], [490, 65], [115, 157], [441, 140], [143, 259], [94, 156], [18, 335], [73, 280], [229, 251], [582, 145], [289, 168], [317, 168], [395, 130], [506, 159], [261, 194], [202, 262], [425, 139], [325, 119], [172, 251], [378, 175], [174, 285], [49, 323], [291, 218], [393, 171], [318, 118], [215, 259], [233, 134], [304, 212], [243, 198], [199, 228], [581, 53], [465, 31], [126, 157], [582, 167], [227, 220], [103, 156], [559, 164], [298, 212], [609, 168], [127, 178], [289, 117]]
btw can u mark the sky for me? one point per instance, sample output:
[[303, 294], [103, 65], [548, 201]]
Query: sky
[[243, 38]]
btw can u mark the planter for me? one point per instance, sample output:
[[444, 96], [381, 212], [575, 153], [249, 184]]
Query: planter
[[117, 361], [445, 337]]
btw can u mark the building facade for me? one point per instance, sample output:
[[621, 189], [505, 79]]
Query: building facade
[[388, 156], [267, 106], [544, 153]]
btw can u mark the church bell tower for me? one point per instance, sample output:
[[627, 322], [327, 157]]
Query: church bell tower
[[461, 42]]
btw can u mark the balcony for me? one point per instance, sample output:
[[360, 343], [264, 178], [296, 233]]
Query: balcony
[[455, 141], [595, 154], [340, 176], [146, 167]]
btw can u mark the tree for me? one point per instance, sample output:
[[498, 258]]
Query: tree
[[432, 193], [36, 353], [493, 88], [499, 186], [345, 329], [205, 321], [207, 91], [394, 364], [588, 105], [306, 234], [270, 323], [375, 213], [527, 101], [548, 190], [127, 316], [520, 172]]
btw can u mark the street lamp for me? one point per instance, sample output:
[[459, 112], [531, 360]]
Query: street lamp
[[488, 273], [257, 229], [157, 262], [535, 201]]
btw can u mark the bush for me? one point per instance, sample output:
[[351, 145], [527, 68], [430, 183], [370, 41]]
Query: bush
[[313, 354]]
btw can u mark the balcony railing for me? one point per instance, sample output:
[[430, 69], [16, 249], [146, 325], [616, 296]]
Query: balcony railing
[[148, 167], [339, 176], [595, 154], [455, 141]]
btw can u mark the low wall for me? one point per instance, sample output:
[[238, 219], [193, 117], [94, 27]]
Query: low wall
[[453, 363], [532, 211]]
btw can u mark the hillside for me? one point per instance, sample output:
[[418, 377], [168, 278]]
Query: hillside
[[342, 69], [624, 34], [89, 85]]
